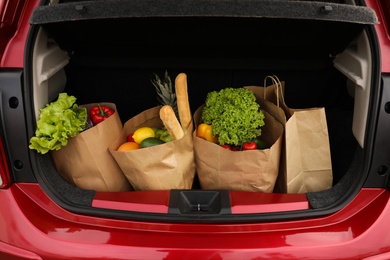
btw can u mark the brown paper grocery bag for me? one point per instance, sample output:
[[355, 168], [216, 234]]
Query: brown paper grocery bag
[[305, 163], [308, 164], [254, 170], [86, 162], [161, 167]]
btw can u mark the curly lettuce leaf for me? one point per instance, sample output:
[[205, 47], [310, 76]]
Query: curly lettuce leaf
[[57, 122], [234, 115]]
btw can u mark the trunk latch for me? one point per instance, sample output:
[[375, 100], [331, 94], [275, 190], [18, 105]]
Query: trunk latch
[[199, 202]]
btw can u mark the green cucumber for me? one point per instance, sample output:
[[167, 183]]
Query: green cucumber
[[261, 145], [151, 141]]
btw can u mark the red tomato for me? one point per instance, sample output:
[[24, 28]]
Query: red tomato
[[226, 147], [249, 146]]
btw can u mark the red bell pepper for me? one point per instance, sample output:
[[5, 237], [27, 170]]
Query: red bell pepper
[[130, 138], [99, 113]]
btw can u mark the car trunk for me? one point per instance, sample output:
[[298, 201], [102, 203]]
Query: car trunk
[[108, 51]]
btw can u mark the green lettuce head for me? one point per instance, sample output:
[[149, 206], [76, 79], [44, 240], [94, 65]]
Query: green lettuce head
[[234, 114], [57, 122]]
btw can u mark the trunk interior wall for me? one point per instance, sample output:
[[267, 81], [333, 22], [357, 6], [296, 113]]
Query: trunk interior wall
[[131, 90]]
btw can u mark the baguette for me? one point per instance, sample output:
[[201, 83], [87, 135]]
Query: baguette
[[183, 105], [169, 119]]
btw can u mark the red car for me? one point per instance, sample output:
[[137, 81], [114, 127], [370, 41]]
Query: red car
[[330, 53]]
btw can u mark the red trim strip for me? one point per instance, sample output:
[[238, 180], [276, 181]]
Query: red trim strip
[[245, 203], [241, 202], [145, 201]]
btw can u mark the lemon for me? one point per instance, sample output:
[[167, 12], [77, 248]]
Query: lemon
[[142, 133]]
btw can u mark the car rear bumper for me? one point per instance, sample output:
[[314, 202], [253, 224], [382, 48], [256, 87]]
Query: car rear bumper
[[10, 252], [39, 225]]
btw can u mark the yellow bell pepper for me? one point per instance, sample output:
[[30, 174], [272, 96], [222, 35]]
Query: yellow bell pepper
[[205, 131]]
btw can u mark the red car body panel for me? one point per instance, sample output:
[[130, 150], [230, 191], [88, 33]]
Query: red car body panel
[[15, 41], [9, 252], [34, 222], [32, 226], [382, 30]]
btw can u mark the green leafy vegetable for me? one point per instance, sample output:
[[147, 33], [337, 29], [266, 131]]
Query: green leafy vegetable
[[57, 122], [234, 115]]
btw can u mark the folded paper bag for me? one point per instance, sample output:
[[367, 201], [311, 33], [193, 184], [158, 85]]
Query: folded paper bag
[[161, 167], [306, 160], [254, 170], [86, 162]]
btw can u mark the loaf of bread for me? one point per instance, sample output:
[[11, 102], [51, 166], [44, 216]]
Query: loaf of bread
[[183, 105], [171, 123]]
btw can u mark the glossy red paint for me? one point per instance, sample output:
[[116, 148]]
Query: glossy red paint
[[4, 172], [247, 203], [15, 30], [382, 31], [151, 201], [8, 252], [37, 224], [34, 227]]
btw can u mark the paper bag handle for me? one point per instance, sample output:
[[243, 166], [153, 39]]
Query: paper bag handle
[[277, 83]]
